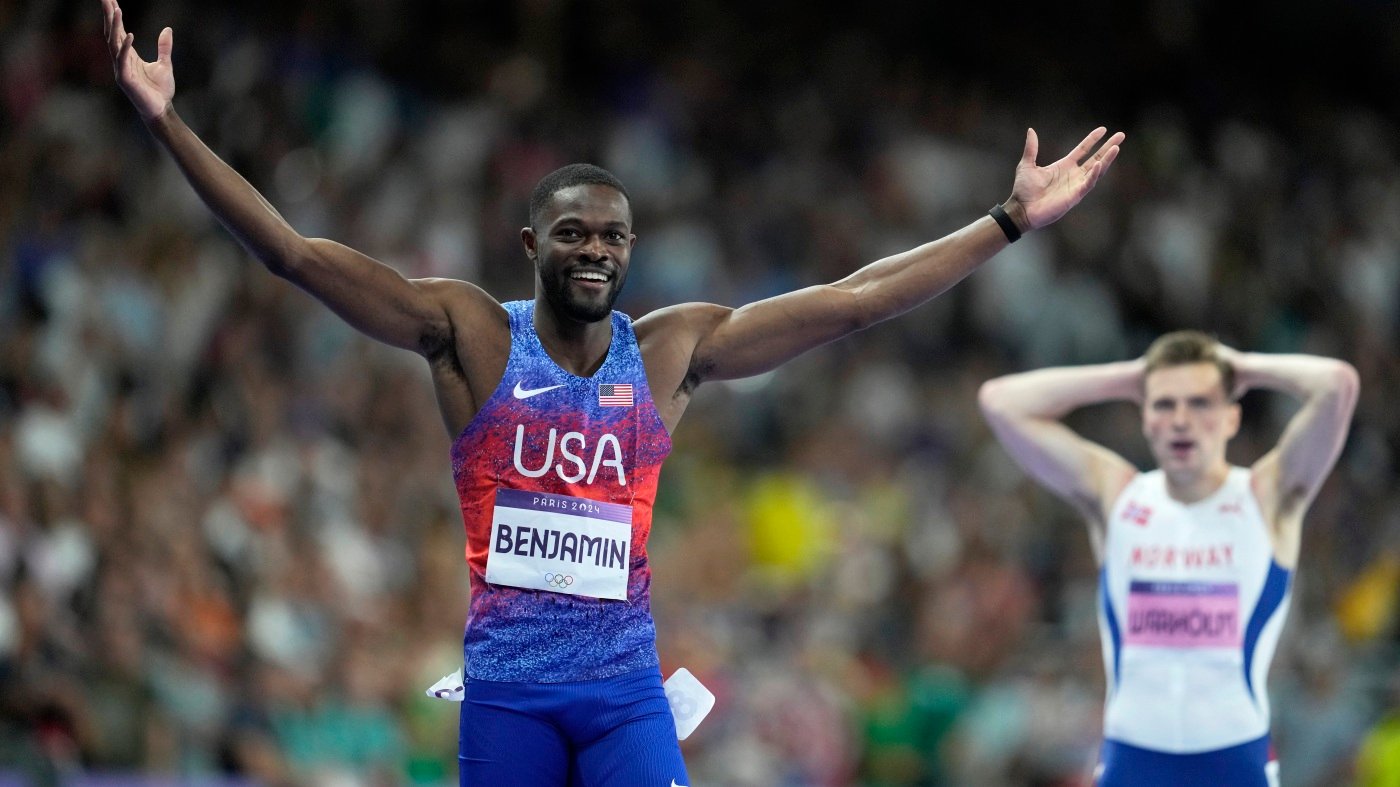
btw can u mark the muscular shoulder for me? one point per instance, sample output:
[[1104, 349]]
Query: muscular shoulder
[[464, 302], [680, 320], [671, 334], [469, 312], [458, 292], [668, 338], [1111, 482], [1114, 480]]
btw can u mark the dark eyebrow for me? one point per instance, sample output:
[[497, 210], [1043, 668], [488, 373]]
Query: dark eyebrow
[[576, 221]]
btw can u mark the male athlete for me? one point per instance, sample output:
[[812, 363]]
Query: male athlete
[[1196, 558], [561, 412]]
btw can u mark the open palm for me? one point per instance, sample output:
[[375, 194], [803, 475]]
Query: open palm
[[1047, 193], [150, 86]]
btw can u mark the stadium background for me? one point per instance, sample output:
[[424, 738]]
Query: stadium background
[[229, 546]]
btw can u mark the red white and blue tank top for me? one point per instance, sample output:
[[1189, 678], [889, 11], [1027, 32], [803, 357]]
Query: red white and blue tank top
[[557, 475]]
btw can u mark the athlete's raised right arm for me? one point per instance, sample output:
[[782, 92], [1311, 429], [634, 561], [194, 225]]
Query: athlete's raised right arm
[[1025, 412], [368, 294]]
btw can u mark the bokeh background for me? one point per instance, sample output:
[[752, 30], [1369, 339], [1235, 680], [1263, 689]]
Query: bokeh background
[[230, 551]]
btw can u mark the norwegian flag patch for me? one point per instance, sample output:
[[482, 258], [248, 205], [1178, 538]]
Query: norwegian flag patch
[[1137, 514]]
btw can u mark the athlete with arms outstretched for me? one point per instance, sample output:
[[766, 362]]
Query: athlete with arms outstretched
[[561, 411]]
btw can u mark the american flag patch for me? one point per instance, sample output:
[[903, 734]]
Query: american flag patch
[[615, 395]]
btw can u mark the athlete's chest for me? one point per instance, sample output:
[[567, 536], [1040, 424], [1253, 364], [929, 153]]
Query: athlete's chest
[[544, 425], [1168, 543], [1183, 575], [1153, 536]]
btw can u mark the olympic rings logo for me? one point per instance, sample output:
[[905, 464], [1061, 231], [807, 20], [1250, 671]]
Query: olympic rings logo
[[558, 580]]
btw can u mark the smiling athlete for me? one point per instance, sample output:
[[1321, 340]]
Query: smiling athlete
[[1197, 557], [561, 410]]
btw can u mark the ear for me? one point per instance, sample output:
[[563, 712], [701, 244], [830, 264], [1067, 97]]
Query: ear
[[1232, 420], [527, 237]]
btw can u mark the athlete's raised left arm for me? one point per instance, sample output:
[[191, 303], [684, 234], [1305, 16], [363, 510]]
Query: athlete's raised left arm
[[1288, 477], [762, 335]]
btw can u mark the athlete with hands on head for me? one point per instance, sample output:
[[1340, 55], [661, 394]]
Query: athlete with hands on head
[[1197, 557]]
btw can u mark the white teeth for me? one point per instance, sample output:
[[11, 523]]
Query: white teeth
[[589, 276]]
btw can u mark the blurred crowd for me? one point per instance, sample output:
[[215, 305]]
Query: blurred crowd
[[230, 550]]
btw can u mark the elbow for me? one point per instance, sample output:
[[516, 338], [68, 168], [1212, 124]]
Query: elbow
[[860, 320], [991, 399], [1345, 384], [287, 261], [850, 309], [279, 267], [864, 308]]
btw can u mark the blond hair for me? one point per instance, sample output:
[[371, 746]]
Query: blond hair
[[1182, 348]]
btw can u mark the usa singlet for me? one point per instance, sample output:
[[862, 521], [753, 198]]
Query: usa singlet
[[1192, 604], [557, 475]]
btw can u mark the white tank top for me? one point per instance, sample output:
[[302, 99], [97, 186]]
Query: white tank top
[[1191, 607]]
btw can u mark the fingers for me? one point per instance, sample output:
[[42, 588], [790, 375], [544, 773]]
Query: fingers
[[1110, 144], [1109, 154], [1032, 148], [1100, 164], [1091, 178], [116, 35], [1082, 149], [109, 28], [121, 55], [164, 44]]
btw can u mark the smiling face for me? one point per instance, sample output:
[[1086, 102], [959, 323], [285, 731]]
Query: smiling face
[[581, 247], [1188, 417]]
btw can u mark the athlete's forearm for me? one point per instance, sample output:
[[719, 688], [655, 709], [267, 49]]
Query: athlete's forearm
[[760, 336], [892, 286], [233, 201], [1052, 394], [1303, 377]]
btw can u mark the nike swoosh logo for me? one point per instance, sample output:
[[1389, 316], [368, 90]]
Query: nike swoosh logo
[[673, 784], [522, 393]]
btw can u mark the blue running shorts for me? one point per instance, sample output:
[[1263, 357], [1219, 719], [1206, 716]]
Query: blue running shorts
[[1246, 765], [616, 730]]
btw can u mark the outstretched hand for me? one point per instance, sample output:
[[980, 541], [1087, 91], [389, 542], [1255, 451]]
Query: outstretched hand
[[150, 86], [1041, 195]]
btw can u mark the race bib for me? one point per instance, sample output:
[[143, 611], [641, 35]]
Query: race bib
[[1183, 614], [559, 543]]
